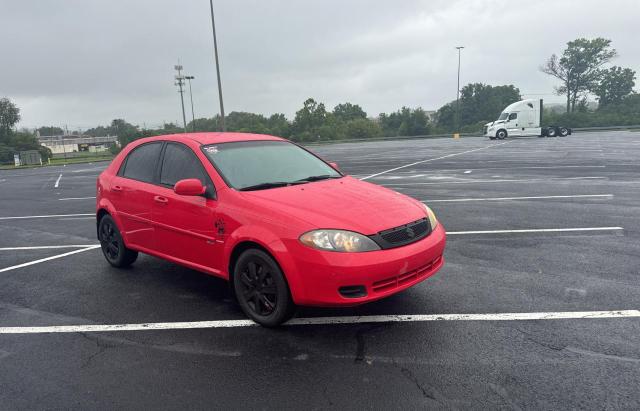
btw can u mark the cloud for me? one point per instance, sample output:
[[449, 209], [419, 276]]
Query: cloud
[[84, 63]]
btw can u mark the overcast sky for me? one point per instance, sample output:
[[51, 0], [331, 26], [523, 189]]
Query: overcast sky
[[83, 63]]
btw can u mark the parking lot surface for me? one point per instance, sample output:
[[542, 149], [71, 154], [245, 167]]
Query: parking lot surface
[[535, 308]]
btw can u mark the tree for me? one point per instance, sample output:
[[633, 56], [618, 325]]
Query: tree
[[50, 131], [614, 85], [579, 67], [309, 119], [9, 117], [361, 128], [348, 111], [405, 122], [279, 125], [479, 104]]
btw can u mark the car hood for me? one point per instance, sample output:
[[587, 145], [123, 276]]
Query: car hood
[[345, 203]]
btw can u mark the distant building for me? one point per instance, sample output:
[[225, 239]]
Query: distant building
[[72, 145]]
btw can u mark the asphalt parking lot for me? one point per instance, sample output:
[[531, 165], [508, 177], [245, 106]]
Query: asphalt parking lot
[[536, 307]]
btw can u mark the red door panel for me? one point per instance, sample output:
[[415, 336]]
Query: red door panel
[[133, 201], [185, 229]]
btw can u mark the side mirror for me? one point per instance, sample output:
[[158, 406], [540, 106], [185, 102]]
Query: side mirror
[[335, 166], [189, 187]]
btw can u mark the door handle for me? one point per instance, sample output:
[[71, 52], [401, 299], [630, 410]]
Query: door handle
[[160, 199], [116, 188]]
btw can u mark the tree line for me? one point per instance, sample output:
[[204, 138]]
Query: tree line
[[582, 68]]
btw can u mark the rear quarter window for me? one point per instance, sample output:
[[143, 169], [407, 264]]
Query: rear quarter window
[[141, 162]]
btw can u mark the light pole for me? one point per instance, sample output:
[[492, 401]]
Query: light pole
[[180, 83], [458, 93], [193, 116], [215, 52]]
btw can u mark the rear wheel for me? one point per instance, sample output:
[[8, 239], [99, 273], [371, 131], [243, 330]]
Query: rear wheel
[[564, 131], [551, 132], [112, 244], [261, 289], [501, 134]]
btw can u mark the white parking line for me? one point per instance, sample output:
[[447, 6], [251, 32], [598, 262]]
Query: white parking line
[[455, 200], [325, 321], [42, 260], [76, 198], [46, 216], [472, 181], [46, 247], [536, 230], [433, 159], [58, 181]]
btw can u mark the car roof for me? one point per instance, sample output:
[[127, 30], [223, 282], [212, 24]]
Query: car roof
[[213, 137]]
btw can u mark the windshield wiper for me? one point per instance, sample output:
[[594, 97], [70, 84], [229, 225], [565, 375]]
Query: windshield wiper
[[316, 178], [264, 186]]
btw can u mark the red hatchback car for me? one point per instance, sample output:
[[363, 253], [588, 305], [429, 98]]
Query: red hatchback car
[[282, 225]]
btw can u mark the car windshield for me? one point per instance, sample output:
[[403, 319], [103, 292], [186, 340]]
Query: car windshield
[[503, 116], [256, 165]]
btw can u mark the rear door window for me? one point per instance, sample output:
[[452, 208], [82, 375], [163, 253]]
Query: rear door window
[[141, 163]]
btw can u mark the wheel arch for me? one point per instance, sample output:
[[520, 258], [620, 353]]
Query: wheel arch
[[99, 214], [271, 245], [106, 208]]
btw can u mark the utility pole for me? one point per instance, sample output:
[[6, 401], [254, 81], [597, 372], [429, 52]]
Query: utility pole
[[180, 83], [215, 51], [458, 93], [193, 116], [64, 149]]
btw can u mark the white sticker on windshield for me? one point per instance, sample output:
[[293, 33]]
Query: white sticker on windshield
[[211, 149]]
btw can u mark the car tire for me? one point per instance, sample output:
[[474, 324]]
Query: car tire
[[501, 134], [552, 132], [112, 244], [563, 131], [261, 288]]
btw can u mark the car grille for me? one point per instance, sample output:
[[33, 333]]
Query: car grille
[[403, 235], [398, 281]]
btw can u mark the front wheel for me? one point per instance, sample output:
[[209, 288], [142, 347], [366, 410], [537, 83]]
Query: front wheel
[[501, 134], [113, 248], [261, 289]]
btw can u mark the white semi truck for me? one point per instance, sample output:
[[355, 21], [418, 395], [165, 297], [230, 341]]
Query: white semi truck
[[522, 118]]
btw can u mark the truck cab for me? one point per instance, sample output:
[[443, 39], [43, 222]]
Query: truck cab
[[522, 118]]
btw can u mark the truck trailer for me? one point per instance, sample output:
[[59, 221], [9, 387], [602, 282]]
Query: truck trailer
[[522, 118]]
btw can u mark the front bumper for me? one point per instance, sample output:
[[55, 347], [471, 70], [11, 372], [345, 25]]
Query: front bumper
[[321, 274]]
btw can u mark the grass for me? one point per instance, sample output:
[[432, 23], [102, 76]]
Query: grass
[[62, 161]]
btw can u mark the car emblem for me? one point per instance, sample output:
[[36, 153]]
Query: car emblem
[[410, 232]]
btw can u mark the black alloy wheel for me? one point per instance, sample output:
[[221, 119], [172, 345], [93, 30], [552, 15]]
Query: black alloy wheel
[[261, 289], [112, 244]]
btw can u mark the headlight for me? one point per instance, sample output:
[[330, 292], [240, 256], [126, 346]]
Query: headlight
[[338, 240], [433, 221]]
